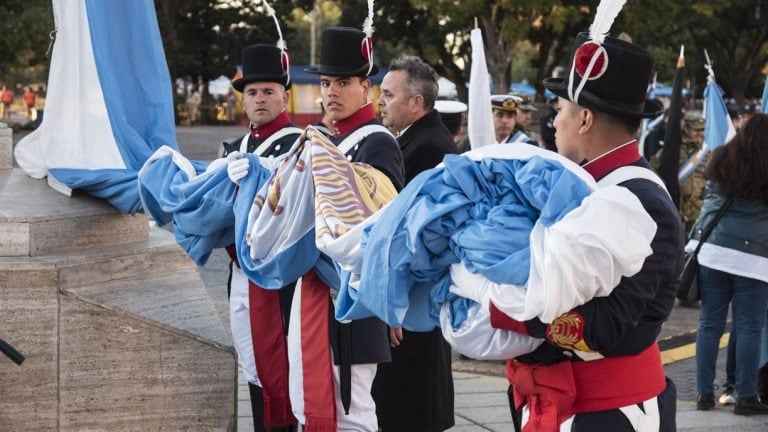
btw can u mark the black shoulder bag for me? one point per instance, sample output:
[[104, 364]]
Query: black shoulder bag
[[688, 291]]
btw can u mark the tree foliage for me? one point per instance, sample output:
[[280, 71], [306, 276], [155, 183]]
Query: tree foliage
[[727, 29], [438, 31], [204, 38], [24, 36], [524, 39]]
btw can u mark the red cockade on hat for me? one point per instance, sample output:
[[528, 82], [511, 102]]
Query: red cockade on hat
[[366, 48], [584, 55], [285, 60]]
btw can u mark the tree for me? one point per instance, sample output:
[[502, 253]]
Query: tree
[[325, 13], [205, 37], [725, 28], [25, 30], [438, 31]]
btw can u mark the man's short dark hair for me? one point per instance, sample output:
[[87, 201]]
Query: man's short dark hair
[[421, 78], [629, 124]]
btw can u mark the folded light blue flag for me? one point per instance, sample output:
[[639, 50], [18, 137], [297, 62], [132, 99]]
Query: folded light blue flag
[[200, 209]]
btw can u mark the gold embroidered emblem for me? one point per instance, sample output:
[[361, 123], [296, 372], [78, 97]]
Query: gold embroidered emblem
[[567, 331]]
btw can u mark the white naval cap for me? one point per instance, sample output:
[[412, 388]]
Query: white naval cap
[[450, 106]]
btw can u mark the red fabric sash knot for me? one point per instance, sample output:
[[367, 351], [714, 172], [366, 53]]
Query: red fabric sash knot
[[549, 392], [555, 392]]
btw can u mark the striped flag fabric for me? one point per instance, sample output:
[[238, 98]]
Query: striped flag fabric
[[109, 104]]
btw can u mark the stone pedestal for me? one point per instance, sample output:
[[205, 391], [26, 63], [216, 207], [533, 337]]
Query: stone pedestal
[[6, 147], [117, 328]]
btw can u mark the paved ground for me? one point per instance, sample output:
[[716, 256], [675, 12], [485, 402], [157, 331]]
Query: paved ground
[[480, 386]]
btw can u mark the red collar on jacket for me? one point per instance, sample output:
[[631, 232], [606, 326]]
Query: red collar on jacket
[[626, 154], [349, 124], [260, 133]]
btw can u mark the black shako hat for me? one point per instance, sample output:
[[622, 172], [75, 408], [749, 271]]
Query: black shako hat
[[263, 63], [617, 83], [346, 52]]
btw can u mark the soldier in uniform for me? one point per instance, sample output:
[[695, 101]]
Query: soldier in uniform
[[452, 116], [265, 86], [504, 108], [523, 118], [692, 188], [600, 366], [346, 63]]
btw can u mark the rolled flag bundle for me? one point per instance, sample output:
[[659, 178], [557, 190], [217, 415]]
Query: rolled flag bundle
[[530, 224], [315, 196], [109, 104], [197, 198]]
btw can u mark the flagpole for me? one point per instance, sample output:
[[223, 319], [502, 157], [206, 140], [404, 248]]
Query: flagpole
[[718, 127], [670, 156]]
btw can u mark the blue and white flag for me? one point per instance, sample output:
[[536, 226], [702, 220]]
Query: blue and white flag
[[481, 209], [197, 198], [315, 197], [718, 130], [764, 100], [109, 102]]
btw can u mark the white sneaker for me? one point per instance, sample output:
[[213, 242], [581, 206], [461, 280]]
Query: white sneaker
[[727, 397]]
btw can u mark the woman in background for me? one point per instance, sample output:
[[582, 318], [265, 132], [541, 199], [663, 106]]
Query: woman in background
[[733, 263]]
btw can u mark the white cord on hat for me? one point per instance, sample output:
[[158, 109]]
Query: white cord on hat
[[284, 59], [368, 41], [607, 11], [592, 61]]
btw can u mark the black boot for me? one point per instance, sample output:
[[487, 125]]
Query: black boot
[[257, 407], [750, 406], [762, 384], [705, 402]]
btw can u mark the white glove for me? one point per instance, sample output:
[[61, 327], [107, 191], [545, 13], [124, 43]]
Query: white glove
[[470, 285], [237, 166]]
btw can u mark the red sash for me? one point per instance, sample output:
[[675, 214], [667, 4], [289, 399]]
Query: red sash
[[555, 392], [317, 364], [270, 351]]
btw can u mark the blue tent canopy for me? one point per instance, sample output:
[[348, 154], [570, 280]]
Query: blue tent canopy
[[662, 90], [527, 89]]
